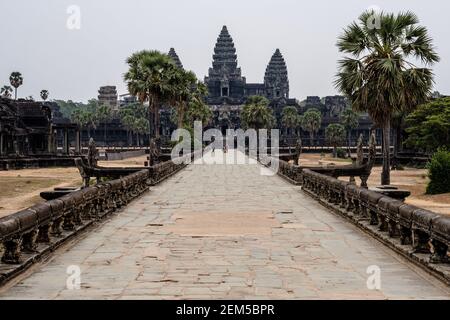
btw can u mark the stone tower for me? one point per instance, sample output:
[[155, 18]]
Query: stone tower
[[276, 80], [172, 54], [107, 95], [224, 81]]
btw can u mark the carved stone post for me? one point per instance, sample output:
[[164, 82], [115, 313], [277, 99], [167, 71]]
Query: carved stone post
[[29, 241], [439, 252], [44, 234], [420, 242], [12, 251]]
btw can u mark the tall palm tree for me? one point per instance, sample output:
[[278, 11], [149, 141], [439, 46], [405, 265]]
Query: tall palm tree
[[183, 87], [349, 119], [311, 121], [148, 78], [290, 118], [140, 127], [16, 81], [379, 75], [80, 117], [197, 109], [103, 114], [335, 134], [44, 94], [398, 125], [256, 113], [6, 91]]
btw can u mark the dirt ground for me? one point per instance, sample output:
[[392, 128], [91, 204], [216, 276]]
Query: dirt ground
[[20, 189], [411, 179]]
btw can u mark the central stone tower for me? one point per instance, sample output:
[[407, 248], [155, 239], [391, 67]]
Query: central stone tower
[[224, 81]]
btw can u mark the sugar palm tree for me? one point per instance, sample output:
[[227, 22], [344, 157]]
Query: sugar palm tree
[[310, 121], [290, 118], [335, 134], [349, 119], [256, 113], [197, 109], [6, 91], [16, 81], [80, 117], [379, 75], [103, 114], [183, 86], [148, 79], [44, 94], [140, 127]]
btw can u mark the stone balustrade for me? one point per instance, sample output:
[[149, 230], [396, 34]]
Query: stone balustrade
[[29, 233], [417, 231], [23, 231]]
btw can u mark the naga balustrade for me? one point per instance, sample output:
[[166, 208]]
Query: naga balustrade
[[425, 231], [22, 231], [157, 172], [42, 223], [293, 173]]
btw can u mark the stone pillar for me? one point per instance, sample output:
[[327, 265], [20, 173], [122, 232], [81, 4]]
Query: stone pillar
[[77, 142], [50, 140], [66, 141], [1, 144]]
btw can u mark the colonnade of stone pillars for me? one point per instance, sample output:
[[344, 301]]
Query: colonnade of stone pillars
[[66, 141]]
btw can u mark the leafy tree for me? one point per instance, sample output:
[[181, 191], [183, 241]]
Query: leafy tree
[[439, 172], [379, 75], [311, 121], [16, 81], [349, 119], [44, 94], [428, 127], [335, 134], [6, 91]]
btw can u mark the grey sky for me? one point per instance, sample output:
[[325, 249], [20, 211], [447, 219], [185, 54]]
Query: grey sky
[[72, 64]]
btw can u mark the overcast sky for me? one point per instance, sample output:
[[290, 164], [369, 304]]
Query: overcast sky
[[73, 63]]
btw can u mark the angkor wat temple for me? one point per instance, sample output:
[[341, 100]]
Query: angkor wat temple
[[33, 128], [229, 90]]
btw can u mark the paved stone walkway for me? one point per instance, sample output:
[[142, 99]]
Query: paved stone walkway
[[226, 231]]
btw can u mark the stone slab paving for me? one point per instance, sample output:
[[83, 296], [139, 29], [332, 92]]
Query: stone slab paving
[[227, 232]]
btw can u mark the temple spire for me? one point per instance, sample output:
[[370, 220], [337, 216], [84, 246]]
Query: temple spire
[[172, 54], [224, 81], [224, 57], [276, 79]]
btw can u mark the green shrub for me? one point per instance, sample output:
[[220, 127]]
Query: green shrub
[[439, 172], [341, 153]]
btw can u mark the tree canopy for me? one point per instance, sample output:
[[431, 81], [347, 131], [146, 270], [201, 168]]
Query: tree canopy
[[428, 127]]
